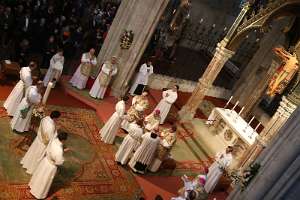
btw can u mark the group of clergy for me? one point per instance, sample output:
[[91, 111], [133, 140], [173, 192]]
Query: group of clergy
[[107, 71], [147, 144]]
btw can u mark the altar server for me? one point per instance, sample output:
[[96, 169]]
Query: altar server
[[222, 162], [152, 121], [130, 143], [142, 79], [16, 95], [108, 70], [111, 127], [43, 176], [55, 69], [80, 77], [168, 98], [144, 155], [22, 117], [46, 132]]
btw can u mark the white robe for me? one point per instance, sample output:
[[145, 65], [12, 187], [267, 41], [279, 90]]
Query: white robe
[[43, 176], [142, 77], [151, 123], [111, 127], [98, 91], [56, 66], [168, 98], [215, 173], [36, 151], [129, 144], [16, 95], [79, 80], [146, 151], [32, 97]]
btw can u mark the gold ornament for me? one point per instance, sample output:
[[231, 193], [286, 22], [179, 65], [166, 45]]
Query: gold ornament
[[126, 39]]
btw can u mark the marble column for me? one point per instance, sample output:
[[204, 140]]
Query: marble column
[[278, 176], [140, 16], [282, 114], [205, 82]]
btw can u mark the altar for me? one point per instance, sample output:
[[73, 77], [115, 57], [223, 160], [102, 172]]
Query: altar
[[231, 128]]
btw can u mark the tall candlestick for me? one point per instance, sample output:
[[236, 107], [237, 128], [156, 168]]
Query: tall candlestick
[[47, 92], [242, 110], [257, 126], [237, 103], [228, 102], [251, 120]]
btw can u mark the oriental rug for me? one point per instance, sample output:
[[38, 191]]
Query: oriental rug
[[89, 171]]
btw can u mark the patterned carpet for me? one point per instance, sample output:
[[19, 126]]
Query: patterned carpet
[[89, 171]]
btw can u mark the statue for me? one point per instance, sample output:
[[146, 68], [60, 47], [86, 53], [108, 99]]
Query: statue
[[285, 73]]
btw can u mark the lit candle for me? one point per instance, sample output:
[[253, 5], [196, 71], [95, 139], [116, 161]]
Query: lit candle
[[257, 126], [242, 110], [47, 92], [228, 102], [236, 104], [251, 120]]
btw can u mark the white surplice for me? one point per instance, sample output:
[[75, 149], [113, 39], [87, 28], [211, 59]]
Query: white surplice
[[97, 90], [111, 127], [79, 80], [36, 151], [43, 176], [55, 69], [146, 151], [32, 97], [129, 144], [142, 77], [168, 98], [222, 161], [16, 95]]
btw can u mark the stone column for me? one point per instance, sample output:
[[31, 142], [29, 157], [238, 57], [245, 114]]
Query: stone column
[[141, 17], [205, 82], [282, 114]]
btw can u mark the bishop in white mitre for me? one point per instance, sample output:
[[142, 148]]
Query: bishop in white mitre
[[46, 132], [142, 79], [130, 143], [83, 72], [22, 117], [55, 68], [44, 174], [16, 95], [168, 98], [108, 70], [215, 172], [145, 153], [151, 122], [111, 127]]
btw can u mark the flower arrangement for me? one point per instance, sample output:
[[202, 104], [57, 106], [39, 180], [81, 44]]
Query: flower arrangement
[[126, 39], [243, 178]]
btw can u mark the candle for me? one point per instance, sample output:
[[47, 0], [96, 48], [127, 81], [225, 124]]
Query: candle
[[228, 102], [251, 120], [46, 95], [257, 126], [242, 110], [237, 103]]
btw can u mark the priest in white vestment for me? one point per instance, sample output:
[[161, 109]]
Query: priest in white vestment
[[83, 72], [108, 70], [55, 69], [142, 78], [16, 95], [168, 98], [46, 132], [44, 174], [130, 143], [145, 154], [222, 162], [111, 127], [22, 117], [152, 121]]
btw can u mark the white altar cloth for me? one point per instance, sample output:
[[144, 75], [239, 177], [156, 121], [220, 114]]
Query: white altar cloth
[[236, 123]]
